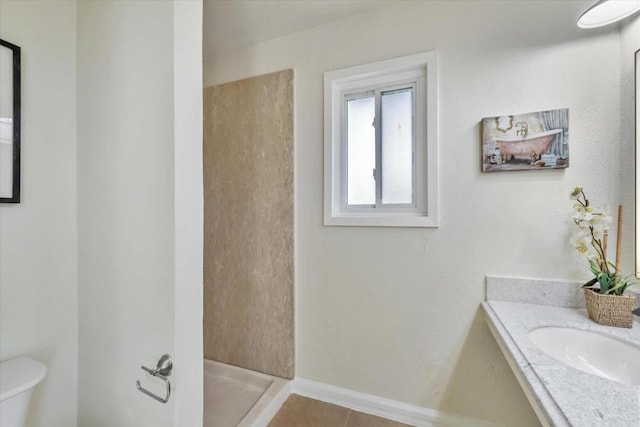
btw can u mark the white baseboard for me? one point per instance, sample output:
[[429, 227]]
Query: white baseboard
[[381, 407]]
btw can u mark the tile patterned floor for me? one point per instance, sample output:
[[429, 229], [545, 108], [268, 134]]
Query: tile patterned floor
[[300, 411]]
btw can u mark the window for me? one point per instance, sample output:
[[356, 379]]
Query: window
[[380, 144]]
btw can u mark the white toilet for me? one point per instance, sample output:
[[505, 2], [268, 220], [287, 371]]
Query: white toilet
[[18, 377]]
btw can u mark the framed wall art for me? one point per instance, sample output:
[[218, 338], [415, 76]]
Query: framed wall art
[[9, 122], [531, 141]]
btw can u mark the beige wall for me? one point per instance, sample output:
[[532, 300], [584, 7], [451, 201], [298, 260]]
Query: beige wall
[[393, 312], [248, 233], [38, 237]]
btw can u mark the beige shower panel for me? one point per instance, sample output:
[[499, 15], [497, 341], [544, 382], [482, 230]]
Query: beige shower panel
[[248, 224]]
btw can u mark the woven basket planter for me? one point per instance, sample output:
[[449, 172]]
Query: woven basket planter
[[610, 310]]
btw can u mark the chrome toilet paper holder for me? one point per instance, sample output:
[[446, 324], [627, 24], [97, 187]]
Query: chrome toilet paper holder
[[163, 370]]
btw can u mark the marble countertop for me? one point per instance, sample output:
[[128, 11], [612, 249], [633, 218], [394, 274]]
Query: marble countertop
[[562, 395]]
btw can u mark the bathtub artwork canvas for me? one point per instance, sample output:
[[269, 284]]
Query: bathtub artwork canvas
[[530, 141]]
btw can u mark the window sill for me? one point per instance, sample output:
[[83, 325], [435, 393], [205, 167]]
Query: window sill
[[397, 220]]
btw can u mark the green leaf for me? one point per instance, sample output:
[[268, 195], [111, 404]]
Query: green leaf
[[622, 284], [590, 282], [594, 267]]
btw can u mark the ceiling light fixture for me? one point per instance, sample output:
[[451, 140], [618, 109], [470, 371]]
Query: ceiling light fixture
[[605, 12]]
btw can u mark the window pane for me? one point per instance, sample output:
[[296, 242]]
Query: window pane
[[361, 151], [397, 146]]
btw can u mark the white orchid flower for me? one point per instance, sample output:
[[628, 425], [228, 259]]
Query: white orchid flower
[[590, 239], [581, 240], [582, 215], [576, 193], [600, 223]]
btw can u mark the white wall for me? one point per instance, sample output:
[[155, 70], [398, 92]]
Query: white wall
[[126, 194], [140, 118], [38, 247], [394, 312], [630, 43], [189, 212]]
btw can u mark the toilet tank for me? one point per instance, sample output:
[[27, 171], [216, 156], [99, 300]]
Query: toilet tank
[[18, 377]]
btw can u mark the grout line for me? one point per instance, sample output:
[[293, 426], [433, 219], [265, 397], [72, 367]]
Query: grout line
[[348, 416]]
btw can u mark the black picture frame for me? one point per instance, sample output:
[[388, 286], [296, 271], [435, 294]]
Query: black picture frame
[[636, 114], [14, 123]]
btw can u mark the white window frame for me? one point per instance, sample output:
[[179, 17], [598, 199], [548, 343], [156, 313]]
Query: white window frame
[[416, 186], [419, 70]]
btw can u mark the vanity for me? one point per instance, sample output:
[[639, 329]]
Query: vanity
[[556, 352]]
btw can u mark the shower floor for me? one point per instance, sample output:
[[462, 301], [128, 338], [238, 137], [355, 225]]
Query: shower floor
[[239, 397]]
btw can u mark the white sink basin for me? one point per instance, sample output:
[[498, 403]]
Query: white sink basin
[[591, 352]]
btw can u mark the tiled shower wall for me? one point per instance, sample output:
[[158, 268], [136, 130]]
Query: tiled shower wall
[[248, 224]]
